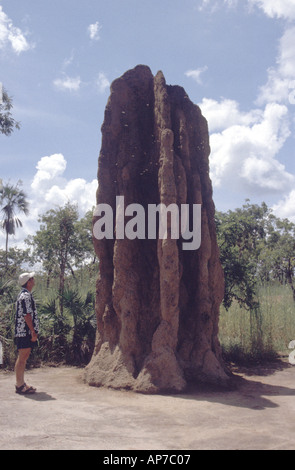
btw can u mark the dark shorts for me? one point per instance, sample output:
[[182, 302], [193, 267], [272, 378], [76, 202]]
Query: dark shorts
[[24, 343]]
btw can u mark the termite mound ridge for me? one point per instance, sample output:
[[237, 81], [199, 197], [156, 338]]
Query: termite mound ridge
[[157, 305]]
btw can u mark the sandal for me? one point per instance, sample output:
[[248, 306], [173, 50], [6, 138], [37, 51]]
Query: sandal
[[24, 389]]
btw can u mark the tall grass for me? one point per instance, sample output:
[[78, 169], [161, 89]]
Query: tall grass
[[245, 336], [262, 334]]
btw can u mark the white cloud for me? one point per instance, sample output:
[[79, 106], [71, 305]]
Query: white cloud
[[276, 8], [285, 209], [76, 191], [287, 54], [49, 169], [68, 83], [11, 35], [226, 113], [215, 4], [93, 31], [273, 8], [244, 155], [245, 146], [281, 78], [196, 74], [102, 82], [50, 188], [73, 84]]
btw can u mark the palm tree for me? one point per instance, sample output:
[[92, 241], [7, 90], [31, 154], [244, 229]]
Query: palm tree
[[7, 123], [12, 200]]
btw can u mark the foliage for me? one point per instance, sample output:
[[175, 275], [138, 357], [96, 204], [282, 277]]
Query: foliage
[[12, 200], [12, 262], [62, 244], [67, 338], [82, 311], [62, 253], [248, 337], [241, 234], [277, 260], [255, 247], [257, 252], [7, 123], [7, 302]]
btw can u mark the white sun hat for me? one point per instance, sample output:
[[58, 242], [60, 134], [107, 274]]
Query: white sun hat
[[24, 277]]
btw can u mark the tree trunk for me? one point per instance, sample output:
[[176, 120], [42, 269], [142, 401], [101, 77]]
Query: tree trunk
[[6, 251], [157, 304], [62, 284], [290, 277]]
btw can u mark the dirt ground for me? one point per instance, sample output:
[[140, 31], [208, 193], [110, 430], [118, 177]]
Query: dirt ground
[[67, 414]]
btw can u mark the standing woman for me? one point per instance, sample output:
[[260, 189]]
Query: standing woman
[[26, 330]]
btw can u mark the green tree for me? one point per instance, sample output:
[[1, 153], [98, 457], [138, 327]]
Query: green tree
[[241, 234], [7, 122], [61, 244], [277, 259], [86, 250], [54, 243], [255, 247], [12, 200], [12, 261]]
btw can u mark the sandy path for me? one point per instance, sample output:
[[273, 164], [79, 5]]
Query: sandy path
[[67, 414]]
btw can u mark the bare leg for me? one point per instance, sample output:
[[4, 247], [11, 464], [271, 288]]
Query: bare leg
[[20, 365]]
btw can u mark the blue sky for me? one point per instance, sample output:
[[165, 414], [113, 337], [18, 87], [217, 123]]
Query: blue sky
[[234, 58]]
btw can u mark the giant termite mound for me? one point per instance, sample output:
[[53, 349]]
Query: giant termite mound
[[157, 305]]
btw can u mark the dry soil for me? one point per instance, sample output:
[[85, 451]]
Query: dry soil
[[67, 414]]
